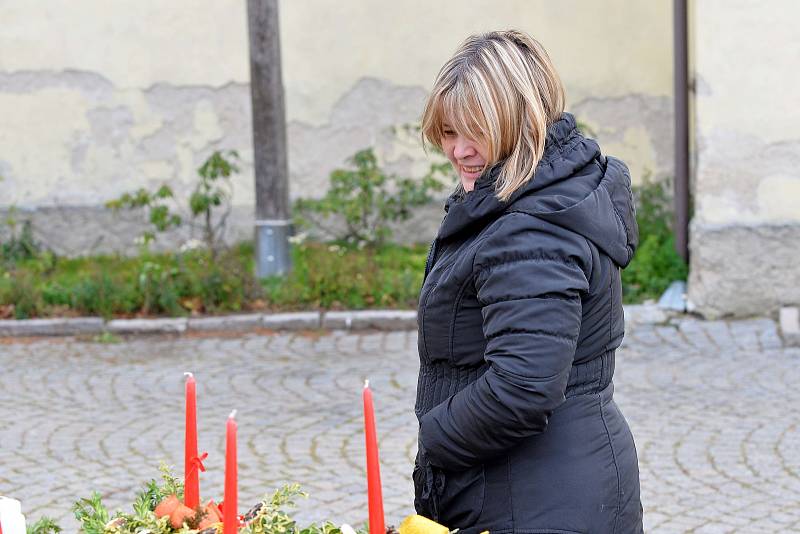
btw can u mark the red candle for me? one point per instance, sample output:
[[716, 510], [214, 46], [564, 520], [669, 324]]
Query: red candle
[[191, 480], [230, 523], [376, 524]]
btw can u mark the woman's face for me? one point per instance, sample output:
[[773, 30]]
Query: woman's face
[[467, 156]]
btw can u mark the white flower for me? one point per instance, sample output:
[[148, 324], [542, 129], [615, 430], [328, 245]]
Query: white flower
[[192, 244], [298, 239]]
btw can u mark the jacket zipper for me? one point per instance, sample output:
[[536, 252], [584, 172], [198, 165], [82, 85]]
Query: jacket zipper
[[431, 258]]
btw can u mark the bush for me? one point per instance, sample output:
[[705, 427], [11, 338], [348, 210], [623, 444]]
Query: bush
[[20, 244], [368, 199], [102, 294], [22, 295], [212, 194], [340, 275], [656, 263], [172, 284]]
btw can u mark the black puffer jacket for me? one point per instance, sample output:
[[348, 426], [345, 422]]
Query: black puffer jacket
[[519, 317]]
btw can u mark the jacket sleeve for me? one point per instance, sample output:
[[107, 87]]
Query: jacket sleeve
[[529, 283]]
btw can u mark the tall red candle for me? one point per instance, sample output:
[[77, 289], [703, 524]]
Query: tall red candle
[[191, 480], [376, 524], [230, 512]]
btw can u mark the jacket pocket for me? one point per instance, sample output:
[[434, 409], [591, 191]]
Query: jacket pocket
[[424, 500], [459, 496]]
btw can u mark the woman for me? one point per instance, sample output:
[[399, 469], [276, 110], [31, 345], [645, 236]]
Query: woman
[[521, 311]]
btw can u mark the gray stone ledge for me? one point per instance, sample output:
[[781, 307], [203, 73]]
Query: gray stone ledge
[[226, 322], [147, 326], [762, 278], [291, 321], [370, 320], [647, 314], [335, 320], [789, 320], [51, 327]]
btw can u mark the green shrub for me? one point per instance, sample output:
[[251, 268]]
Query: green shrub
[[339, 275], [23, 294], [99, 294], [214, 190], [154, 204], [172, 284], [367, 200], [212, 193], [20, 244], [44, 525], [656, 263]]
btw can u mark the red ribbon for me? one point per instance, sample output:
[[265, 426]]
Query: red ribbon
[[197, 463], [221, 506]]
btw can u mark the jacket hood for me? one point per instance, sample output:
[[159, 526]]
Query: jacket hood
[[574, 186]]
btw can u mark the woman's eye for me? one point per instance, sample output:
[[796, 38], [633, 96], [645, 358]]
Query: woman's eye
[[449, 133]]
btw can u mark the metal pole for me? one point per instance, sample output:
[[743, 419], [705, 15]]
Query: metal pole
[[269, 140], [681, 66]]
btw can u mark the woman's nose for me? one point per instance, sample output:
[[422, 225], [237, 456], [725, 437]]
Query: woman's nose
[[463, 148]]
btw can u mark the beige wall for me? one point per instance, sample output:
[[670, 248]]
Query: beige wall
[[351, 73], [746, 227], [101, 97]]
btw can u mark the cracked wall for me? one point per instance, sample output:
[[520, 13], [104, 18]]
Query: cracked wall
[[132, 95], [745, 233]]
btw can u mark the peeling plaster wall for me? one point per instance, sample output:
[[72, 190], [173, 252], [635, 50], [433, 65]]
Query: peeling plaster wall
[[745, 234], [73, 138], [100, 98], [393, 51]]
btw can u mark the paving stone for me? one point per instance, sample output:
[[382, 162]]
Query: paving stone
[[707, 404]]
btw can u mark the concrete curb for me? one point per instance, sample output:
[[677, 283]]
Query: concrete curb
[[347, 320], [292, 321], [246, 321], [51, 327], [386, 320], [147, 326], [370, 320]]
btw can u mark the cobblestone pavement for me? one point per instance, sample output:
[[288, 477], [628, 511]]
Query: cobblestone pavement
[[713, 407]]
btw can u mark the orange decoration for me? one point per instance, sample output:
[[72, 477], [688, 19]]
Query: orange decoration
[[167, 506], [206, 523], [213, 515], [180, 514], [213, 509]]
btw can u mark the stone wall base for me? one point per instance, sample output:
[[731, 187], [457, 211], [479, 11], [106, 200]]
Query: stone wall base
[[86, 230], [739, 271]]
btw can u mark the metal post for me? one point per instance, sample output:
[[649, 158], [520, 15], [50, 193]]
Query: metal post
[[272, 247], [269, 140], [681, 66]]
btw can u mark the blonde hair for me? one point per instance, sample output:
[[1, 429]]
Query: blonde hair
[[502, 89]]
